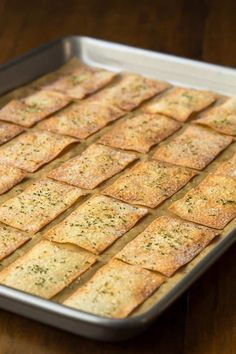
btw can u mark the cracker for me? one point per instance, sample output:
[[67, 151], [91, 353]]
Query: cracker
[[9, 177], [81, 120], [33, 149], [149, 183], [140, 133], [8, 131], [96, 224], [46, 269], [166, 245], [227, 168], [95, 165], [32, 109], [221, 118], [211, 203], [38, 204], [196, 147], [10, 240], [131, 91], [115, 290], [180, 103], [81, 81]]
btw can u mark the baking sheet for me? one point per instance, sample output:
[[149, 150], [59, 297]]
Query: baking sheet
[[113, 57]]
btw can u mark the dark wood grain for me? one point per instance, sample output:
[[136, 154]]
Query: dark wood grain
[[203, 320]]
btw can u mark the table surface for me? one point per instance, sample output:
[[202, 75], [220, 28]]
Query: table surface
[[203, 320]]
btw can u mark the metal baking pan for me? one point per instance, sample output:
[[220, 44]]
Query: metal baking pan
[[114, 57]]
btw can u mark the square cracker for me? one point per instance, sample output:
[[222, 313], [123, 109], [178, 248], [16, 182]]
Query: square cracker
[[46, 269], [115, 290], [81, 81], [196, 147], [10, 240], [81, 120], [33, 149], [140, 133], [130, 91], [227, 168], [32, 109], [9, 177], [149, 183], [180, 103], [221, 118], [96, 224], [166, 245], [211, 203], [95, 165], [38, 204], [8, 131]]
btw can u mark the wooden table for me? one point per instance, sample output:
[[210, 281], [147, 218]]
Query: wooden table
[[203, 320]]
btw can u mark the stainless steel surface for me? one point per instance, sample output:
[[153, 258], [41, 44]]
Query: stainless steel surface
[[116, 57]]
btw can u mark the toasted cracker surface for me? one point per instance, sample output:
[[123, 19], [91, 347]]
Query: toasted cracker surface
[[81, 81], [95, 165], [10, 240], [149, 183], [221, 118], [227, 168], [33, 149], [180, 103], [166, 245], [38, 204], [81, 120], [96, 224], [196, 147], [46, 269], [9, 177], [32, 109], [115, 290], [131, 91], [140, 133], [8, 131], [211, 203]]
